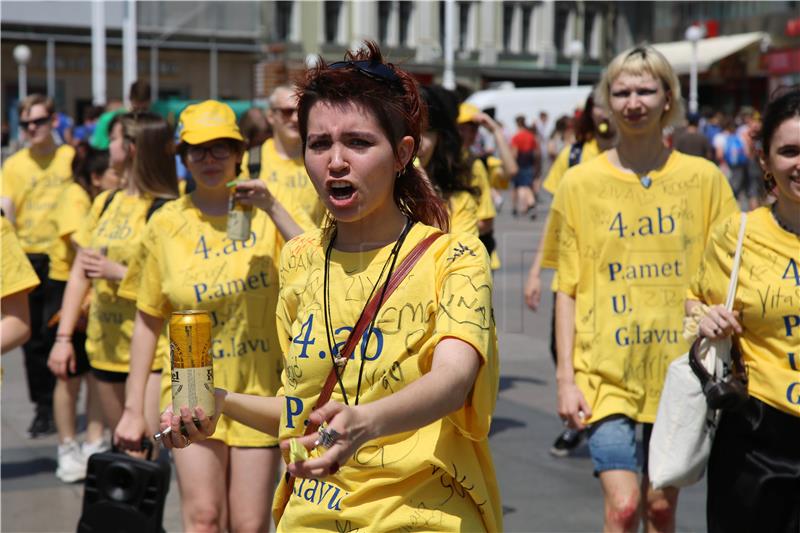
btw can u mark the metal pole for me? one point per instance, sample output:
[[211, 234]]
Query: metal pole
[[128, 49], [213, 72], [448, 76], [22, 74], [51, 68], [154, 73], [98, 53], [693, 80]]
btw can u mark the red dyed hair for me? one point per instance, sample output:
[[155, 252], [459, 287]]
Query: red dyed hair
[[399, 112]]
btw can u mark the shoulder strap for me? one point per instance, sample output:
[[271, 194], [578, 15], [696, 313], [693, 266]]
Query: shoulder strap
[[254, 161], [575, 152], [737, 261], [154, 206], [107, 203]]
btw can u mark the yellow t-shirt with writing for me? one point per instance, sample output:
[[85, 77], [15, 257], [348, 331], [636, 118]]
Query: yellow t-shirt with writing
[[561, 164], [463, 209], [480, 179], [187, 262], [626, 253], [438, 478], [68, 216], [34, 186], [117, 231], [767, 298], [288, 181], [18, 274]]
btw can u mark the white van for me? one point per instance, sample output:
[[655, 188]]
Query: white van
[[508, 103]]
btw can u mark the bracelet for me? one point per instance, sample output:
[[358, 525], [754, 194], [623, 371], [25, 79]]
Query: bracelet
[[64, 337]]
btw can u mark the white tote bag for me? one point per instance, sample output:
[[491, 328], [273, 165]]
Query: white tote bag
[[684, 428]]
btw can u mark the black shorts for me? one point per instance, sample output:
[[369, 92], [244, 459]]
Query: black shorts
[[107, 376], [754, 471]]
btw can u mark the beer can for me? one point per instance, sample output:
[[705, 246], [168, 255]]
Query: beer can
[[191, 362], [239, 217]]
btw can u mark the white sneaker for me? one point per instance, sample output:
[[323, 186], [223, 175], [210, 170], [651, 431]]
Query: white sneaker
[[90, 448], [71, 462]]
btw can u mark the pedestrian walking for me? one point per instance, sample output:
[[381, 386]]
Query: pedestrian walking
[[753, 471], [405, 435], [188, 262], [631, 226]]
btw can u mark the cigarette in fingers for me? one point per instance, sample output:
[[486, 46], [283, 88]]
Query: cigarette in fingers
[[162, 434]]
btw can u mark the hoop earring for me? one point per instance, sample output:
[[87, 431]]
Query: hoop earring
[[769, 181], [399, 173]]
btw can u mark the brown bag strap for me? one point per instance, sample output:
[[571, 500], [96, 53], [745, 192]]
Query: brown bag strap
[[361, 326]]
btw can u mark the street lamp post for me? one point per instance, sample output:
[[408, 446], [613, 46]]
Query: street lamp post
[[22, 54], [575, 53], [693, 34]]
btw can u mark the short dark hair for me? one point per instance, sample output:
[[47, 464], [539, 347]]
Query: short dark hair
[[785, 104], [140, 91]]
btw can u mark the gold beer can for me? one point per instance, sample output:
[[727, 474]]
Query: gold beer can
[[239, 217], [190, 357]]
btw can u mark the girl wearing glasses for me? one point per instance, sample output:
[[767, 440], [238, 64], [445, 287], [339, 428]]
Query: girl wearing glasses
[[107, 240], [631, 225], [404, 441], [188, 262]]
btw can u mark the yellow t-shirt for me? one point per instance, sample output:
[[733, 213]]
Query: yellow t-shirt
[[438, 478], [68, 215], [187, 262], [497, 177], [34, 186], [768, 298], [480, 179], [561, 164], [289, 183], [18, 274], [463, 210], [118, 231], [626, 254]]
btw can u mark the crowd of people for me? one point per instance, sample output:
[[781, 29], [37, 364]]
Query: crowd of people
[[351, 392]]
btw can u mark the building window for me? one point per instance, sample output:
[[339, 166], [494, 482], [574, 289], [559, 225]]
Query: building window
[[406, 11], [333, 10], [463, 25], [384, 14], [527, 12], [508, 21], [283, 19]]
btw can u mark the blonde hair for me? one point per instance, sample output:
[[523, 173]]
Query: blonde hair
[[641, 60]]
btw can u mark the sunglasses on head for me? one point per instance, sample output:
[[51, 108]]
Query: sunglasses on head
[[371, 69], [285, 112], [41, 121]]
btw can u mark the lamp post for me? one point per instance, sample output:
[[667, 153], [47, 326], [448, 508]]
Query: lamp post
[[575, 52], [22, 54], [693, 34]]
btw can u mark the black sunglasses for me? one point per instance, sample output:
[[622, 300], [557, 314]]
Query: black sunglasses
[[36, 121], [285, 112], [371, 69]]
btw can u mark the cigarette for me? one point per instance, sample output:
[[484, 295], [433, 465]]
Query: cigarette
[[161, 435]]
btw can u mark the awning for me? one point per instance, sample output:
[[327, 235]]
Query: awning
[[709, 51]]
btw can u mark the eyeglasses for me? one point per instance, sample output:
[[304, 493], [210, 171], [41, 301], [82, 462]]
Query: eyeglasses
[[285, 112], [372, 69], [218, 151], [41, 121]]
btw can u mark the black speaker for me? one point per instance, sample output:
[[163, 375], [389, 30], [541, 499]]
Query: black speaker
[[124, 494]]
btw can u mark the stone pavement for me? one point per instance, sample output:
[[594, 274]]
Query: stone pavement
[[540, 493]]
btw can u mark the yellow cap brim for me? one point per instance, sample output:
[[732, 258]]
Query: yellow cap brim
[[209, 134]]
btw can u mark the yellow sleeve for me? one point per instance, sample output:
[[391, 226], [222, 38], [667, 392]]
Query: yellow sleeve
[[557, 170], [463, 275], [563, 254], [710, 283], [463, 213], [725, 204], [72, 210], [18, 274], [143, 282], [480, 179], [13, 181], [83, 235]]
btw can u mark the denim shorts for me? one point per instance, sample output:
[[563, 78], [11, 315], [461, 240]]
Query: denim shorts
[[613, 446]]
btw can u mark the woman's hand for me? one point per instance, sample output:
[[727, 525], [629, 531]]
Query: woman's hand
[[97, 265], [352, 429], [572, 406], [130, 430], [254, 192], [533, 291], [719, 323], [195, 431], [62, 359]]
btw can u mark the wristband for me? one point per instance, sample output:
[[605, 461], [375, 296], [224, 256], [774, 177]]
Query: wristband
[[63, 337]]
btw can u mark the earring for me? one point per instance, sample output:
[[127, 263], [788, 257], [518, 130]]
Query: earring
[[399, 173], [769, 181]]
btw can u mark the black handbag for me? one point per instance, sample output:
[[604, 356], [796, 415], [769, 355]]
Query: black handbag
[[124, 494]]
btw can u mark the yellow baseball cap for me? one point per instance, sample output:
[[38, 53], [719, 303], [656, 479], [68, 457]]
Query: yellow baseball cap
[[207, 121], [467, 112]]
